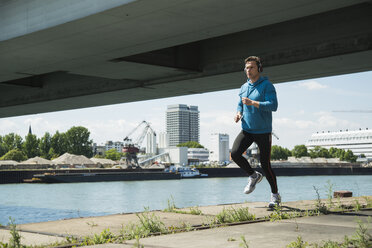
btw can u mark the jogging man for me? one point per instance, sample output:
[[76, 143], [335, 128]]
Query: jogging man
[[256, 104]]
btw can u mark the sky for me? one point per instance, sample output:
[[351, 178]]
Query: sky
[[305, 107]]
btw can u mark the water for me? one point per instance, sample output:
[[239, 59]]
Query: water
[[27, 203]]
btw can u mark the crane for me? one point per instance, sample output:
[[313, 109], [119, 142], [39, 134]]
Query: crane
[[131, 148]]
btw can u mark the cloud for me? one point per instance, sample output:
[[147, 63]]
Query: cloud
[[312, 85]]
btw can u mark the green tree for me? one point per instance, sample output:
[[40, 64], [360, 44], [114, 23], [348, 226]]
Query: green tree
[[14, 154], [279, 153], [45, 144], [299, 151], [113, 154], [349, 156], [319, 152], [190, 144], [31, 146], [3, 148], [59, 143], [78, 142], [12, 141]]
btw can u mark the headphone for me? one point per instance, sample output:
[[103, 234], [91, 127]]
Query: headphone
[[259, 66]]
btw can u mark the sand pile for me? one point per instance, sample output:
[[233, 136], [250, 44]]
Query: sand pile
[[37, 160], [103, 161], [68, 158]]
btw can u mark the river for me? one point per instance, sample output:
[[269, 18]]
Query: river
[[27, 203]]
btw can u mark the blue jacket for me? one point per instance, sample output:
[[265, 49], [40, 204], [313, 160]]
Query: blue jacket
[[258, 120]]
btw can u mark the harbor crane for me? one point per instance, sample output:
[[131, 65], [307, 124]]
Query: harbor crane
[[132, 146]]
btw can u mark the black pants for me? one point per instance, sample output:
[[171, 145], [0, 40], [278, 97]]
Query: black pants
[[263, 141]]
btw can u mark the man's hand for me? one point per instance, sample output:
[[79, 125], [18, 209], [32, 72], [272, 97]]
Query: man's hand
[[250, 102], [237, 117]]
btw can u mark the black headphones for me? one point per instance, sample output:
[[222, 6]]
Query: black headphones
[[259, 66]]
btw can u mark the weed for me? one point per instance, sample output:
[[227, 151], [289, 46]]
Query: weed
[[329, 189], [15, 240], [361, 237], [299, 243], [149, 223], [137, 243], [278, 214], [104, 237], [233, 215], [368, 201], [171, 205], [320, 206], [195, 211], [231, 239], [244, 242], [357, 206]]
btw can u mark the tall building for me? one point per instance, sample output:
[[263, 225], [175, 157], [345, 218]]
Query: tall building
[[182, 124], [219, 147], [151, 143], [163, 140], [359, 141]]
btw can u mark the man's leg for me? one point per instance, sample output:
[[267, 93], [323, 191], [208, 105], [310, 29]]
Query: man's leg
[[241, 144], [264, 144]]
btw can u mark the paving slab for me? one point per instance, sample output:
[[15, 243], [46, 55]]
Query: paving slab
[[52, 231], [262, 235]]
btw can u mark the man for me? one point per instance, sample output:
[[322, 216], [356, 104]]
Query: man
[[257, 102]]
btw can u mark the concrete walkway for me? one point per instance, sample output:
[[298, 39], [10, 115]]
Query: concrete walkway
[[260, 234]]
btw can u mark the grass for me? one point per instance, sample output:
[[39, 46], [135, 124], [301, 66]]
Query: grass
[[233, 215], [361, 239], [171, 208]]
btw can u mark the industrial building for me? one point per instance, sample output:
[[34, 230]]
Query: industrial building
[[219, 148], [358, 141], [182, 124]]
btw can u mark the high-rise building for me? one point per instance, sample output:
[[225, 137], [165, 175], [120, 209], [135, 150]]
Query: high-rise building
[[163, 140], [182, 124], [151, 143], [219, 147]]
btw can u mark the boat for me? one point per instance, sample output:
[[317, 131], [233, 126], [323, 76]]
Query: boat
[[186, 172], [103, 177]]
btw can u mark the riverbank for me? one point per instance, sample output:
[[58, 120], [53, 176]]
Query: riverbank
[[22, 176], [268, 228]]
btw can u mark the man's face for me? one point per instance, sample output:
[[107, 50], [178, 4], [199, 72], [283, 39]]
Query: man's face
[[251, 70]]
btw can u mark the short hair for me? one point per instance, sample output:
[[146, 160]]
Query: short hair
[[255, 59]]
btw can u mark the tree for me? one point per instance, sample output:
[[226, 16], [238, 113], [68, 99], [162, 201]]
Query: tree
[[3, 148], [31, 146], [299, 151], [14, 154], [190, 144], [12, 141], [78, 142], [113, 154], [44, 145], [279, 153], [319, 152], [59, 143], [349, 156]]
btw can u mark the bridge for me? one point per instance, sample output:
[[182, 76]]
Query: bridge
[[68, 54]]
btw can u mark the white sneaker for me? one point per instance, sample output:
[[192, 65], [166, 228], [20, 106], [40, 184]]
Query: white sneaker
[[252, 181], [275, 200]]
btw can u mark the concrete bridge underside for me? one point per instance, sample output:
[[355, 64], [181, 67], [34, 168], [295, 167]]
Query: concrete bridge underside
[[67, 54]]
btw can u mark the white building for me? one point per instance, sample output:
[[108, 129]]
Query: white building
[[197, 155], [219, 148], [163, 140], [114, 145], [182, 124], [151, 143], [359, 141]]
